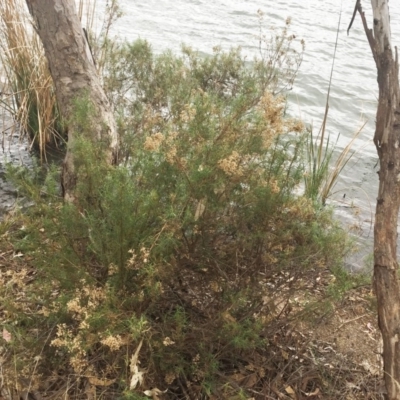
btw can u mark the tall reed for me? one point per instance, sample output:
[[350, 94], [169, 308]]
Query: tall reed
[[322, 173], [30, 95]]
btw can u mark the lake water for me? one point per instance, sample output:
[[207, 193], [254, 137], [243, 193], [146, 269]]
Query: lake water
[[204, 24]]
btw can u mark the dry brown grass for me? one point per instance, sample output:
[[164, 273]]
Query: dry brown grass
[[334, 358], [29, 94], [30, 91]]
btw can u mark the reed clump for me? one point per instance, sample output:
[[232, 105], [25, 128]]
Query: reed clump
[[29, 92], [30, 96], [323, 167]]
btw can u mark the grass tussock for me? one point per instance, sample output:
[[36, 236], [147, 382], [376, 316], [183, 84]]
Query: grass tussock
[[322, 173], [323, 168]]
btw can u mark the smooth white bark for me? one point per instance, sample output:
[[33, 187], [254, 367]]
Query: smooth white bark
[[380, 9]]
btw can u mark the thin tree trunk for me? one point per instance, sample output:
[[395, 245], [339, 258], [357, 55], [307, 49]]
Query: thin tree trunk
[[74, 75], [387, 142]]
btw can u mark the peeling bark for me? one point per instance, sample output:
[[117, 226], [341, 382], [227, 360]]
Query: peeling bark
[[387, 142], [74, 75]]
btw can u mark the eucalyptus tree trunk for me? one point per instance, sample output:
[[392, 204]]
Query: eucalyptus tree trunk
[[74, 75], [387, 142]]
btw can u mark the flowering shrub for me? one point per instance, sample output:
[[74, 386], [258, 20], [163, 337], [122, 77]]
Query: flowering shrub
[[187, 255]]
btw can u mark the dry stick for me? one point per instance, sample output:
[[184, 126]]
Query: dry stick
[[368, 32], [351, 320], [354, 15]]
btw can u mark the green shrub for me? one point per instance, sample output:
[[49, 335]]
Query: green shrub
[[195, 244]]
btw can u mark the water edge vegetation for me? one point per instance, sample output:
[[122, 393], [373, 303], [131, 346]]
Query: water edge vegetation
[[191, 270]]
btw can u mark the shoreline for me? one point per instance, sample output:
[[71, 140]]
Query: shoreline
[[355, 218]]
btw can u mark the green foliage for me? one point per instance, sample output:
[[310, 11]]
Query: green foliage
[[318, 162], [322, 172], [192, 244]]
